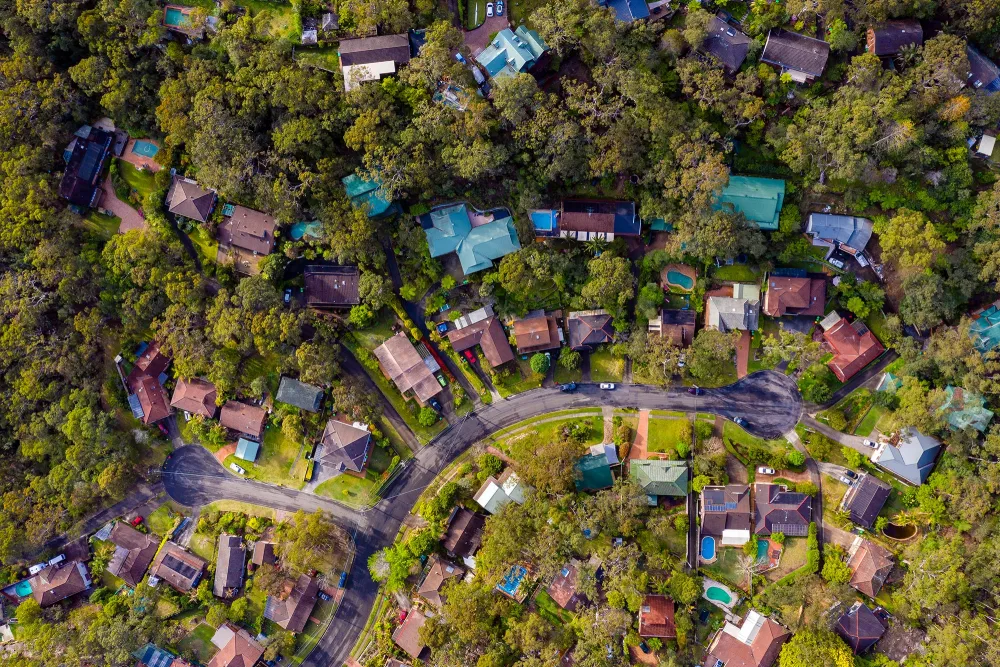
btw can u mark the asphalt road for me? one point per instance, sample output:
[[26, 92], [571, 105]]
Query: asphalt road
[[769, 401]]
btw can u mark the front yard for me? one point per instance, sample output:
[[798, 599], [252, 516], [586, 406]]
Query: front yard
[[351, 490], [280, 461], [665, 434], [604, 367]]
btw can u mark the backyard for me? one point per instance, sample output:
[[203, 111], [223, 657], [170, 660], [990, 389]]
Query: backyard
[[143, 182], [325, 58], [726, 567], [200, 643], [665, 434], [475, 13], [105, 226], [793, 556], [206, 244]]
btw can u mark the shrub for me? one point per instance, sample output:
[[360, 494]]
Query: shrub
[[807, 488], [490, 464], [570, 360], [540, 363], [778, 538], [361, 316], [812, 560], [836, 419], [795, 458], [427, 417], [683, 449]]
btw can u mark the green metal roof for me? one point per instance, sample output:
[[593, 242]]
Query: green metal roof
[[487, 243], [449, 226], [985, 329], [658, 477], [966, 409], [511, 52], [247, 449], [365, 193], [593, 473], [759, 199]]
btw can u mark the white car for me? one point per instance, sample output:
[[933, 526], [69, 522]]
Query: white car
[[236, 469], [489, 9], [607, 385], [846, 480], [764, 470], [870, 443]]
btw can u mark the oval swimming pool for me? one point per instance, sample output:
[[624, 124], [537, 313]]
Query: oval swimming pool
[[708, 547], [716, 594], [680, 279]]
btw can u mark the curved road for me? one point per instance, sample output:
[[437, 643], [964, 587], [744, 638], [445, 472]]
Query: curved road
[[770, 401]]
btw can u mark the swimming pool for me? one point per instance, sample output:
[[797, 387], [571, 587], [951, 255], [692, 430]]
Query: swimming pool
[[679, 279], [708, 547], [145, 148], [300, 229], [175, 17], [512, 581], [716, 594], [23, 588], [762, 547]]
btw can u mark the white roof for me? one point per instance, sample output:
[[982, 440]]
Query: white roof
[[486, 493], [355, 74], [986, 145], [734, 538], [608, 450], [223, 636]]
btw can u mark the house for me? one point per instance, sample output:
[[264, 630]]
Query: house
[[179, 568], [846, 233], [870, 566], [367, 194], [477, 238], [489, 335], [188, 199], [401, 363], [147, 399], [304, 396], [778, 510], [965, 409], [247, 449], [392, 662], [725, 513], [263, 553], [537, 332], [985, 328], [58, 582], [81, 182], [854, 345], [292, 612], [908, 454], [512, 52], [803, 58], [195, 396], [795, 295], [656, 617], [134, 551], [860, 628], [886, 39], [588, 329], [593, 471], [586, 219], [151, 655], [756, 643], [740, 312], [562, 589], [439, 573], [242, 418], [983, 72], [726, 44], [332, 286], [495, 493], [230, 563], [986, 144], [345, 447], [627, 11], [241, 650], [660, 477], [677, 326], [371, 58], [248, 229], [407, 635], [865, 499], [758, 199], [464, 533]]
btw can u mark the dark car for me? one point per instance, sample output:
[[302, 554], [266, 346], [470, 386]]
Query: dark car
[[323, 596], [643, 646], [163, 429], [697, 391], [851, 474], [740, 421], [436, 404], [343, 580], [570, 386], [443, 327]]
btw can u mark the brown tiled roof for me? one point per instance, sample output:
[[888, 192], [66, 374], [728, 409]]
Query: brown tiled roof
[[761, 652], [794, 296], [177, 567], [249, 229], [332, 286], [854, 347], [263, 552], [464, 534], [563, 587], [589, 328], [781, 511], [734, 501], [243, 418], [196, 396], [190, 200], [870, 567], [229, 564], [345, 446], [133, 553], [241, 651], [489, 335], [293, 612], [656, 617], [536, 334], [678, 326], [152, 361], [152, 398], [58, 582], [439, 573], [401, 362], [407, 635], [888, 38]]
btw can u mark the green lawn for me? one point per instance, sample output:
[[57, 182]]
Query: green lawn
[[564, 414], [725, 567], [389, 431], [275, 461], [740, 273], [283, 24], [351, 490], [207, 246], [162, 520], [520, 378], [867, 424], [267, 366], [551, 611], [203, 546], [324, 58], [793, 557], [664, 434], [105, 226], [475, 13], [853, 406], [520, 10], [200, 642], [743, 440], [551, 430], [604, 367], [143, 182]]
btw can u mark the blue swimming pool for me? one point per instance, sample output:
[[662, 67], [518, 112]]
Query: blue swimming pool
[[512, 581], [762, 547], [679, 279], [23, 588], [708, 547], [145, 148], [300, 229], [176, 18]]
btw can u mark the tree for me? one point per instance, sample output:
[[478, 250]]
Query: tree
[[908, 239], [711, 355], [375, 290], [685, 588], [307, 539], [835, 570], [238, 610], [813, 645], [361, 316], [569, 359], [609, 285], [217, 615], [539, 363], [723, 234], [427, 416], [651, 298], [795, 458]]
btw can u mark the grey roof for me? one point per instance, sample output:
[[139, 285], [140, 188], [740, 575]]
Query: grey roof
[[301, 395], [911, 457], [190, 200], [983, 72], [865, 499], [345, 446], [293, 612], [888, 38], [735, 314], [229, 564], [844, 229], [790, 50], [780, 511], [369, 50], [726, 43]]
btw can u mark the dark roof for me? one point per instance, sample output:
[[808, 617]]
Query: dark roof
[[189, 199], [229, 564], [58, 582], [725, 508], [263, 552], [177, 567], [865, 499], [778, 510], [134, 551], [627, 11], [464, 534], [81, 182], [487, 334], [248, 419], [983, 72], [345, 446], [656, 617], [790, 50], [293, 612], [440, 572], [249, 229], [595, 215], [870, 566], [678, 326], [332, 286], [534, 334], [301, 395], [589, 328], [726, 43], [563, 587], [860, 628], [374, 50], [196, 396], [888, 38]]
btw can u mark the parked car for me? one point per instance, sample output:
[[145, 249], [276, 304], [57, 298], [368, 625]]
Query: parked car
[[469, 356], [323, 596], [740, 421], [460, 58], [443, 327], [847, 480], [607, 385], [236, 469], [696, 390], [288, 295], [58, 559], [851, 474], [643, 646], [441, 380], [870, 443], [136, 521], [764, 470], [436, 404], [500, 8], [489, 9], [163, 429], [569, 386], [343, 580]]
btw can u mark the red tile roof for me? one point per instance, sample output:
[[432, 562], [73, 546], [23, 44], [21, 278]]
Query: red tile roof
[[487, 334], [656, 617], [196, 396], [243, 418], [854, 347], [794, 296]]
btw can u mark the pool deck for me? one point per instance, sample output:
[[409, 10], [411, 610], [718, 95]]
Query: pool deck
[[140, 161], [678, 268], [710, 583]]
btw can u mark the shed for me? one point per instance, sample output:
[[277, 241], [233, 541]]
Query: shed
[[247, 449]]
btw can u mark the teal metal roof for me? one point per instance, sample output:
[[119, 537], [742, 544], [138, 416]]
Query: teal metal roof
[[759, 199], [593, 473], [487, 243], [365, 193], [449, 226], [966, 409], [658, 477], [247, 449], [985, 330], [889, 382], [511, 52]]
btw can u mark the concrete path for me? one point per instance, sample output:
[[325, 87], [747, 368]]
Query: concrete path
[[479, 38], [609, 423], [131, 218]]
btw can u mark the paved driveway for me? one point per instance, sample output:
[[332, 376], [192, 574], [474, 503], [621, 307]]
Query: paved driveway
[[852, 441], [478, 39], [131, 218]]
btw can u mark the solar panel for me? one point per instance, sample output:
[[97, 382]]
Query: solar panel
[[91, 159], [730, 506], [133, 403], [715, 508], [179, 566]]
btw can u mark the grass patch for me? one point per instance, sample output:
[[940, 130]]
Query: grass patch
[[562, 376], [550, 430], [143, 182], [665, 434], [324, 58], [104, 226], [475, 13], [379, 331], [744, 443], [725, 568], [833, 493], [739, 273], [207, 246], [518, 379], [278, 461], [567, 414], [853, 407], [520, 10], [604, 367], [199, 643], [397, 442], [550, 611], [876, 322], [867, 425], [162, 520], [351, 490], [793, 556], [238, 506], [203, 546]]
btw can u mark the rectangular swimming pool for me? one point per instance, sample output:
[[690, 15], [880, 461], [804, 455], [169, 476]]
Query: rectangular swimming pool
[[145, 148], [173, 16]]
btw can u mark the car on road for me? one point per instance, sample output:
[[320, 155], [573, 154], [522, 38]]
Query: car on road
[[569, 386], [846, 480], [870, 443], [851, 474], [436, 404], [288, 295], [607, 385], [236, 469], [489, 9], [740, 421], [469, 356], [323, 596], [460, 58], [343, 580], [764, 470], [696, 390]]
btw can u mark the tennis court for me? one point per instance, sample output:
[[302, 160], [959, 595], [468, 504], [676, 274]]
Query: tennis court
[[145, 148]]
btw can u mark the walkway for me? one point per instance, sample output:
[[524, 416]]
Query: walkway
[[131, 218], [638, 450], [852, 441], [743, 354]]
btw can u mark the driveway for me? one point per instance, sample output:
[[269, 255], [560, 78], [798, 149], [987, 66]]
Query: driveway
[[479, 39], [131, 218], [743, 354], [852, 441]]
